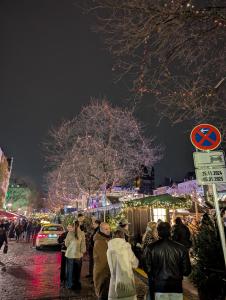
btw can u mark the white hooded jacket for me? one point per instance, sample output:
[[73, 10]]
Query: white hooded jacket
[[121, 261]]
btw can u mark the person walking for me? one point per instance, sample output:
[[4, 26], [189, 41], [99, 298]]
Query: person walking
[[35, 230], [18, 231], [76, 247], [181, 233], [166, 262], [3, 235], [11, 233], [28, 231], [96, 228], [121, 261], [101, 271]]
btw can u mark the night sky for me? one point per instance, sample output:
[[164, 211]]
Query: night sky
[[51, 64]]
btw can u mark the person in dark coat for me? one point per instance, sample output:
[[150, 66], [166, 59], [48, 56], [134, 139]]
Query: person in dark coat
[[181, 233], [18, 231], [36, 228], [11, 234], [81, 220], [96, 227], [166, 262], [29, 231], [3, 236]]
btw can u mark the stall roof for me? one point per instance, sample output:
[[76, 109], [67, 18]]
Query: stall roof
[[160, 201], [8, 215]]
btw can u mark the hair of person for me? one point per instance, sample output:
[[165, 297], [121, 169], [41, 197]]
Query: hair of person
[[164, 230], [206, 219], [119, 234], [178, 221], [123, 225], [80, 215], [76, 225], [152, 224], [98, 222], [153, 228]]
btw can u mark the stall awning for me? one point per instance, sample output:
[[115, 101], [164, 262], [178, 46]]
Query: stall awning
[[160, 201], [8, 215]]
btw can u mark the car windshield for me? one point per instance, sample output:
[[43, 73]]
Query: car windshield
[[52, 228]]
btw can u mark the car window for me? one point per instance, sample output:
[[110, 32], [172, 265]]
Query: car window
[[52, 228]]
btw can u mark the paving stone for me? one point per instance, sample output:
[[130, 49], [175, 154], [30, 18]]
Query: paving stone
[[28, 274]]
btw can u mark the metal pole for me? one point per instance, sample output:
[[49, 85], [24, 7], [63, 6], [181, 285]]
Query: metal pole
[[104, 214], [219, 222]]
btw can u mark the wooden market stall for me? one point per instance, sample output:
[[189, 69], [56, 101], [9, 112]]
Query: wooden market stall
[[152, 208]]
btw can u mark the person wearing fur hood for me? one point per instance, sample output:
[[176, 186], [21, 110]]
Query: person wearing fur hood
[[121, 261]]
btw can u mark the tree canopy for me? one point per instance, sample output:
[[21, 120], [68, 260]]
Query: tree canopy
[[173, 50], [102, 146]]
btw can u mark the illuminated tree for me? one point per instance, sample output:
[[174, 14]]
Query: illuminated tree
[[103, 146], [174, 50], [23, 195]]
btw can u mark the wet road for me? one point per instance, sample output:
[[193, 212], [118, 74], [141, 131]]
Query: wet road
[[26, 274], [30, 274]]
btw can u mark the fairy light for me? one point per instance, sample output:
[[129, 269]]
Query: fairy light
[[172, 203]]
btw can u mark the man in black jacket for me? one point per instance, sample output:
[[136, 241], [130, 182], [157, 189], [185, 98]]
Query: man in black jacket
[[166, 262], [3, 236], [181, 233], [96, 227]]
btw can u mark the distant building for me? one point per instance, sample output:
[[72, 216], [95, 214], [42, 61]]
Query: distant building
[[146, 182], [188, 187]]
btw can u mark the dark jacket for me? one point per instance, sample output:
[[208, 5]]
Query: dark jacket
[[166, 262], [181, 234], [61, 241], [3, 236], [91, 240]]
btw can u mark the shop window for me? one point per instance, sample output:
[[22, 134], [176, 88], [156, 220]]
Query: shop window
[[159, 213]]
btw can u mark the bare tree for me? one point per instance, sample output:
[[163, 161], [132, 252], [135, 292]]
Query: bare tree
[[105, 146], [174, 50]]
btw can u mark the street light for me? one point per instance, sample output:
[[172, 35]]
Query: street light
[[9, 206]]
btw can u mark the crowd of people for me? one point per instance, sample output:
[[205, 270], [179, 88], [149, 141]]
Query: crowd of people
[[20, 230], [112, 258], [163, 253]]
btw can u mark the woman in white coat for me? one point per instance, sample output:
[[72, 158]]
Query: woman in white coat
[[121, 260]]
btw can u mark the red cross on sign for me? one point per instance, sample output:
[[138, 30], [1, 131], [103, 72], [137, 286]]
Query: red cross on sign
[[205, 137]]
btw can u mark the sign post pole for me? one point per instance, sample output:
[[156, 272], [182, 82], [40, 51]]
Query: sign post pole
[[219, 222], [210, 166]]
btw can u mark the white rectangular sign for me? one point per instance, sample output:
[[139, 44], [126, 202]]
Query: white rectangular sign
[[208, 159], [210, 175]]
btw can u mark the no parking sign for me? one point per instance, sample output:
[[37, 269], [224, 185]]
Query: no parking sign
[[205, 137]]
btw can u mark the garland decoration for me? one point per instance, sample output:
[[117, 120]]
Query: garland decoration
[[160, 201]]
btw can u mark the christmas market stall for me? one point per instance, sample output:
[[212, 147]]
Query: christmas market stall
[[152, 208], [9, 215]]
